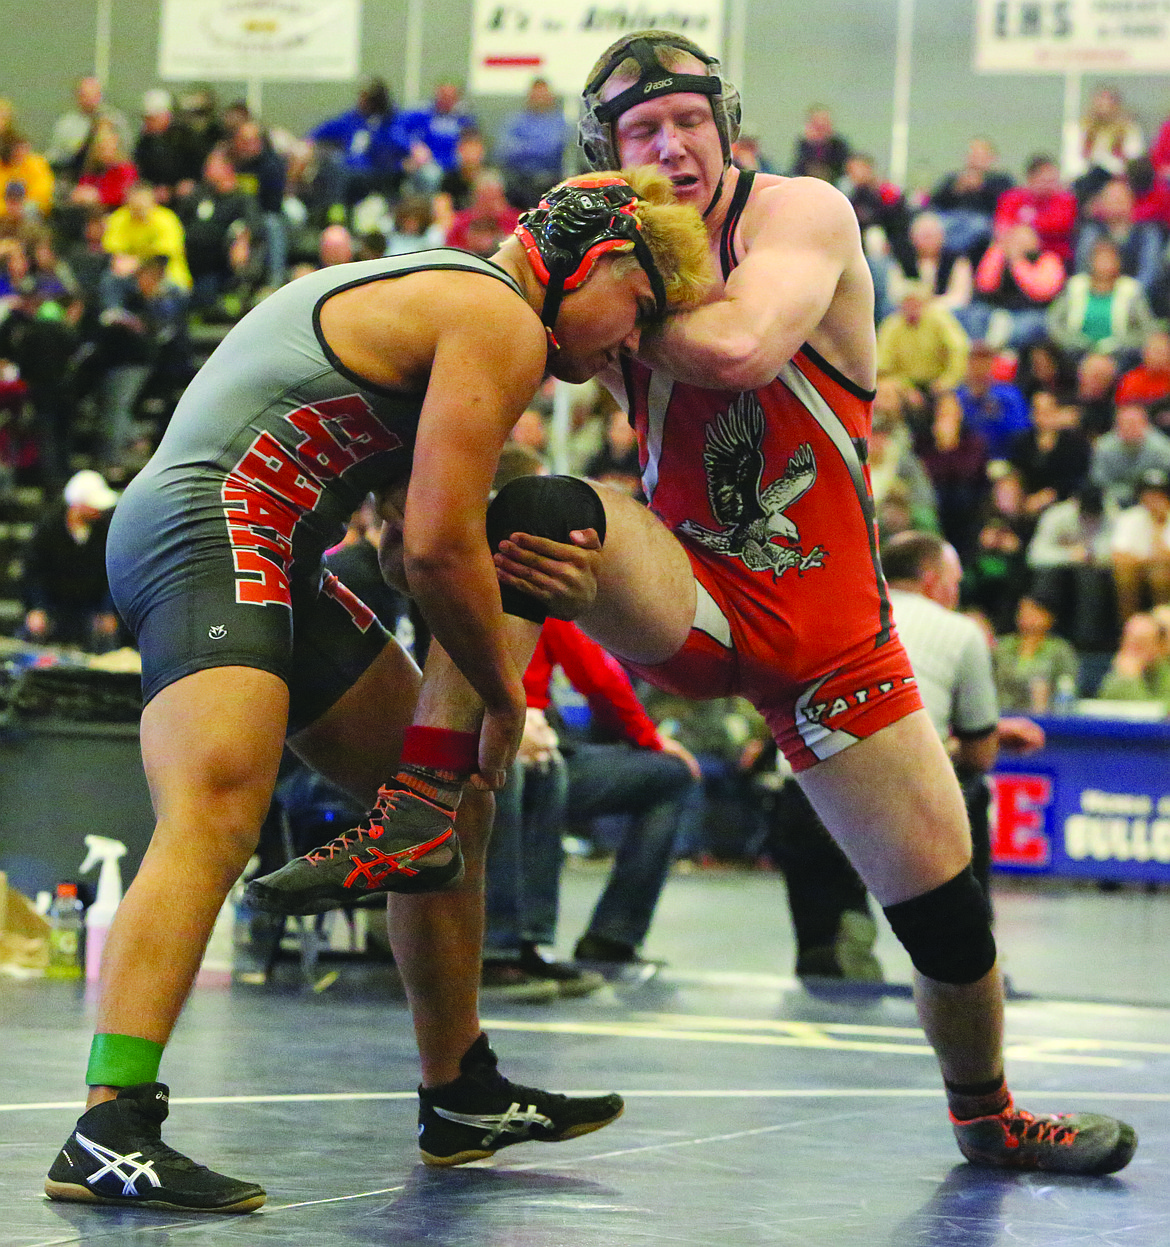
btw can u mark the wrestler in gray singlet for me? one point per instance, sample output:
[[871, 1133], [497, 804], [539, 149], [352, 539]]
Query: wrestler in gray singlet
[[214, 551]]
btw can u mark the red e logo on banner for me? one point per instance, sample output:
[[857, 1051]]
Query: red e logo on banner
[[1018, 837]]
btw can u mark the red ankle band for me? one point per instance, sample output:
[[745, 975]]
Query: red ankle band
[[441, 748]]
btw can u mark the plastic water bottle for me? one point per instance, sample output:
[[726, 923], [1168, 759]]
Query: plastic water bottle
[[65, 927], [1064, 696]]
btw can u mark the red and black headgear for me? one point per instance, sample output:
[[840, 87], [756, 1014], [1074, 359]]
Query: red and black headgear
[[573, 226]]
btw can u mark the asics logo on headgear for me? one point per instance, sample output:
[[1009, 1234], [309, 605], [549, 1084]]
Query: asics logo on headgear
[[653, 86]]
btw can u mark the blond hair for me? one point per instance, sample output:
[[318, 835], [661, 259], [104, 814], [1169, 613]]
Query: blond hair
[[675, 235], [668, 56]]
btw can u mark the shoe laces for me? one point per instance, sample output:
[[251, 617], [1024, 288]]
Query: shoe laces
[[1025, 1127], [371, 829]]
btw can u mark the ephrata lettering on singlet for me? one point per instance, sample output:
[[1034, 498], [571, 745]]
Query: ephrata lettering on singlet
[[753, 517], [272, 487]]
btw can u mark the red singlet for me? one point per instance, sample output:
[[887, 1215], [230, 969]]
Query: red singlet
[[769, 493]]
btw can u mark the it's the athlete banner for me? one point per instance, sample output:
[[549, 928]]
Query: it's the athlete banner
[[514, 41], [1063, 36]]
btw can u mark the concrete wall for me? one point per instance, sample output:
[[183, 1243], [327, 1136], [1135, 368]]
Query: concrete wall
[[838, 52]]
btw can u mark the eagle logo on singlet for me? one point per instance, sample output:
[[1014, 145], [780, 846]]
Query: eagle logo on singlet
[[753, 517]]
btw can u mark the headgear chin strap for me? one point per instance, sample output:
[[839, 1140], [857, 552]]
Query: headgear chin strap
[[573, 226], [596, 128]]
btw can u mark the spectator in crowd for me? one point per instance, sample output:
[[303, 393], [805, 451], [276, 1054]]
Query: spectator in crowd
[[1052, 456], [198, 111], [106, 173], [1103, 310], [1044, 366], [646, 775], [74, 129], [820, 151], [1109, 138], [435, 129], [1069, 559], [1149, 382], [996, 574], [358, 152], [1121, 458], [881, 209], [143, 228], [1095, 394], [1140, 546], [262, 173], [65, 592], [1140, 243], [967, 198], [336, 246], [616, 463], [530, 147], [1140, 670], [87, 258], [167, 154], [955, 459], [1032, 665], [21, 166], [946, 273], [38, 339], [1044, 204], [894, 468], [1014, 284], [922, 344], [487, 220], [144, 336], [220, 221], [747, 153], [414, 227], [1151, 192], [457, 187], [18, 214]]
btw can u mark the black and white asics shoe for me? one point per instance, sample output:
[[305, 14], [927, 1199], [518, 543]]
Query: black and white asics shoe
[[482, 1111], [116, 1155]]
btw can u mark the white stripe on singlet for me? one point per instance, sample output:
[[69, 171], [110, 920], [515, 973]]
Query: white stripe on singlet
[[657, 401]]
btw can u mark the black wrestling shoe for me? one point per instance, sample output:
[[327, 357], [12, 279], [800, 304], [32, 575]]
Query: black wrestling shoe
[[481, 1112], [1085, 1143], [407, 844], [116, 1155]]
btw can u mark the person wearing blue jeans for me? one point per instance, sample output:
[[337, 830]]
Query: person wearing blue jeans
[[647, 776]]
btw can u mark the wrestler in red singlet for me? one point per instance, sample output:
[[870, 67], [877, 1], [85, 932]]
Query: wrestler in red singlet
[[769, 492]]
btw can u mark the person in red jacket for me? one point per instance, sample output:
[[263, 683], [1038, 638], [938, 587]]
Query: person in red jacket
[[1044, 204], [644, 774]]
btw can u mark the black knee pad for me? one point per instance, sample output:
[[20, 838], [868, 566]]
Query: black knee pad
[[546, 506], [947, 931]]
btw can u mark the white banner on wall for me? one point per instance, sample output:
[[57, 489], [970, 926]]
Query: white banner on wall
[[514, 41], [259, 39], [1070, 36]]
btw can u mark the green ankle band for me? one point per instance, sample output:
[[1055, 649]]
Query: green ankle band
[[122, 1061]]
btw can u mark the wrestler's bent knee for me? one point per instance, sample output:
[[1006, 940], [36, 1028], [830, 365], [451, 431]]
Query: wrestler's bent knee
[[545, 506]]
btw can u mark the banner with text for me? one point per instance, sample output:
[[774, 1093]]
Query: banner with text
[[514, 41], [1063, 36], [259, 39]]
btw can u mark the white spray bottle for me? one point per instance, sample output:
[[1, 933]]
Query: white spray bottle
[[104, 853]]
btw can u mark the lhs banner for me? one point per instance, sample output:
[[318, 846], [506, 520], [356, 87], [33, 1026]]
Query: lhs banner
[[514, 41], [259, 39], [1063, 36]]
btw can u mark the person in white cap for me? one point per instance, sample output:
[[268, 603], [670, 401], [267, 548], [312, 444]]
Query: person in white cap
[[65, 591]]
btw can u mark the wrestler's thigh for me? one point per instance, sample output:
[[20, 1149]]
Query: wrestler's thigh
[[646, 591], [893, 804], [356, 743]]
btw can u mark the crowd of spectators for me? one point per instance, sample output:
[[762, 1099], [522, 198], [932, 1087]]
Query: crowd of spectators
[[1023, 404]]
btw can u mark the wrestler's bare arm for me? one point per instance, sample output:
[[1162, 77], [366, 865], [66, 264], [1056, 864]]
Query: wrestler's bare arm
[[486, 368], [801, 248]]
